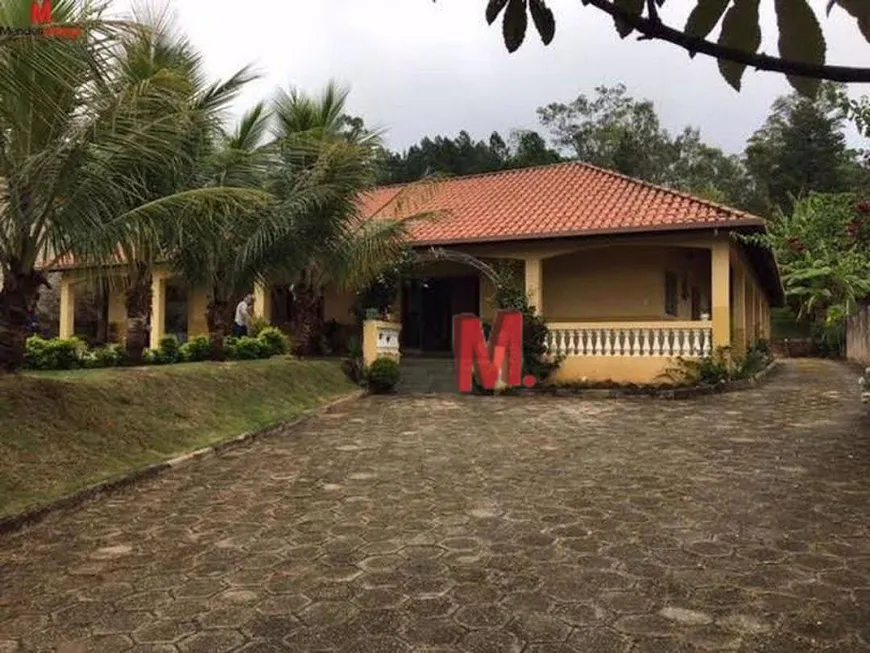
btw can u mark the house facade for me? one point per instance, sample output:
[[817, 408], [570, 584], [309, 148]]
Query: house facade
[[627, 275]]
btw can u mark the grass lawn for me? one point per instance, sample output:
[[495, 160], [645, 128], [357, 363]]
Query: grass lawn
[[62, 431]]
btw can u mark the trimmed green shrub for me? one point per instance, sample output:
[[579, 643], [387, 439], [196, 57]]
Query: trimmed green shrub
[[196, 349], [54, 354], [274, 341], [109, 356], [248, 348], [383, 375], [258, 325], [168, 350]]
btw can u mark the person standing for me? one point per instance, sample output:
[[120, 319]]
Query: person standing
[[242, 321]]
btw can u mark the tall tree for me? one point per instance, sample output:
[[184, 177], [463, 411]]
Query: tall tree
[[706, 171], [462, 155], [800, 148], [527, 149], [618, 132], [611, 130]]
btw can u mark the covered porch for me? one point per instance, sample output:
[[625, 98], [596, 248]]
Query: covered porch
[[177, 307], [619, 309]]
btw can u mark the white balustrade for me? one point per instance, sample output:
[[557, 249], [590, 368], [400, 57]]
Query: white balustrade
[[388, 340], [664, 339]]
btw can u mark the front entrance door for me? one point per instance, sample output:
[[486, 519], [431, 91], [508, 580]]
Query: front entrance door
[[428, 307]]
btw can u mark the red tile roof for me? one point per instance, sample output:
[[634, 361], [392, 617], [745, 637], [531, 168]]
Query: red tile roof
[[565, 199]]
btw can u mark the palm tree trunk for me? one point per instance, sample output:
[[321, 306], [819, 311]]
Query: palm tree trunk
[[307, 325], [137, 301], [217, 317], [18, 294]]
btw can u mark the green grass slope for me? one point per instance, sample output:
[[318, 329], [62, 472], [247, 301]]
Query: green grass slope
[[63, 431]]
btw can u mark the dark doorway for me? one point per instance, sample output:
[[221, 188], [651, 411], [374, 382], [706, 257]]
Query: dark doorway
[[428, 307]]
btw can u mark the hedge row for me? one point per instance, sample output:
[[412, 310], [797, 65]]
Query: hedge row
[[72, 353]]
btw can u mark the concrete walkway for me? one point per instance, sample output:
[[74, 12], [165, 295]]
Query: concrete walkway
[[738, 523]]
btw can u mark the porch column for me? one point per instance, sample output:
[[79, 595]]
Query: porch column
[[720, 258], [535, 283], [158, 308], [67, 307], [262, 302], [739, 311]]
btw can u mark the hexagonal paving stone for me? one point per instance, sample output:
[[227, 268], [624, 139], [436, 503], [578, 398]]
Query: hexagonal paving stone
[[600, 640], [440, 606], [199, 588], [482, 616], [326, 613], [377, 644], [380, 622], [537, 627], [163, 630], [490, 640], [226, 616], [472, 593], [384, 562], [433, 632], [271, 628], [378, 598], [212, 641]]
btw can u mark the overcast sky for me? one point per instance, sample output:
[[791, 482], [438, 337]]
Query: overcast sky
[[420, 68]]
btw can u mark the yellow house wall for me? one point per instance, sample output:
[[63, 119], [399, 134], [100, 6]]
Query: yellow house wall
[[623, 284], [613, 368], [337, 305]]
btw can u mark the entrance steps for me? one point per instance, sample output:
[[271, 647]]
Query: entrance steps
[[425, 375]]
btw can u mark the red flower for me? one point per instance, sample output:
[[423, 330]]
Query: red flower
[[863, 207]]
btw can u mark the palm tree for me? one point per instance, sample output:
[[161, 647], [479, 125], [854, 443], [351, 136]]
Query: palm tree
[[212, 259], [312, 234], [91, 156], [51, 90], [334, 244], [166, 73]]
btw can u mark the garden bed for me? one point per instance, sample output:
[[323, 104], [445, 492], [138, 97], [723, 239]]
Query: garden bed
[[64, 431], [613, 390]]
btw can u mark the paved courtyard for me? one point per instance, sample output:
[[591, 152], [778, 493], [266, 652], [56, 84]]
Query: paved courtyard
[[737, 523]]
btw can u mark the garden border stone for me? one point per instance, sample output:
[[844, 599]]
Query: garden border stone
[[34, 515]]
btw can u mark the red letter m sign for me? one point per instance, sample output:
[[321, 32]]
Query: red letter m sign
[[503, 353], [40, 12]]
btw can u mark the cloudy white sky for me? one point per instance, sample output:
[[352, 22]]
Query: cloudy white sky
[[418, 67]]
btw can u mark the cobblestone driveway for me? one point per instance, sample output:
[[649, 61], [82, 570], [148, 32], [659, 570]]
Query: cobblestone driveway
[[737, 522]]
